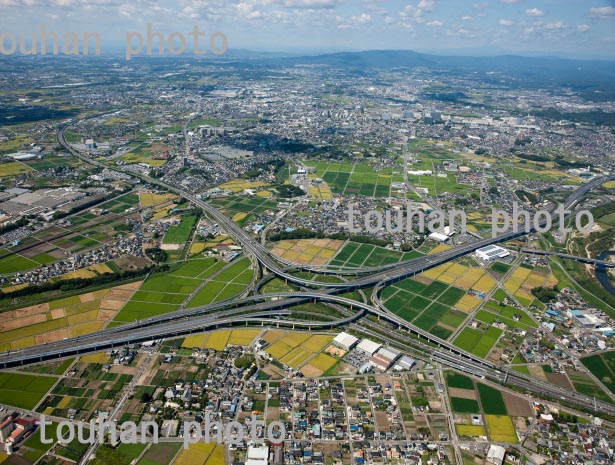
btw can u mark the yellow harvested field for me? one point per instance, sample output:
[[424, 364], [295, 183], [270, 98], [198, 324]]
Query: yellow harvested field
[[24, 342], [295, 348], [500, 428], [439, 248], [523, 280], [147, 199], [64, 402], [217, 340], [217, 456], [433, 273], [98, 357], [195, 340], [264, 194], [295, 339], [278, 349], [468, 303], [307, 251], [273, 335], [317, 342], [83, 317], [89, 272], [242, 337], [448, 277], [13, 168], [466, 281], [67, 317], [238, 185], [239, 216], [197, 247], [86, 328], [195, 454], [320, 191], [609, 185], [470, 430], [323, 362], [296, 357], [484, 284]]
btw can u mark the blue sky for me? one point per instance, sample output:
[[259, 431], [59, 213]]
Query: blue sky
[[579, 28]]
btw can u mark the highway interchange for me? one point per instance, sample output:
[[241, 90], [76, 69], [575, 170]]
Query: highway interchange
[[273, 309]]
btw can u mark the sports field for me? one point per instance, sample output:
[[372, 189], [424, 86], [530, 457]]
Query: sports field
[[428, 306], [307, 251], [355, 255]]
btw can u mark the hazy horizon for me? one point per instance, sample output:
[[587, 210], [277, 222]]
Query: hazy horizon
[[494, 27]]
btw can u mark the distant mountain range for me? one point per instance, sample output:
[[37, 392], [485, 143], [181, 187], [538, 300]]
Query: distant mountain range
[[508, 67]]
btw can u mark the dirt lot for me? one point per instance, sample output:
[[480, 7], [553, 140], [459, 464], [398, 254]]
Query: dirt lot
[[423, 279], [273, 413], [112, 304], [310, 371], [382, 421], [52, 337], [537, 372], [516, 406], [560, 380], [462, 393], [21, 322], [25, 312], [105, 315], [335, 351]]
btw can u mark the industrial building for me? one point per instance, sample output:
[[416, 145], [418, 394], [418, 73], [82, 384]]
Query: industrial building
[[492, 252], [384, 358], [496, 454], [585, 320], [368, 347], [404, 363], [345, 341], [257, 455]]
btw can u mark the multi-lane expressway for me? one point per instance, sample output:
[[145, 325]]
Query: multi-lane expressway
[[249, 312]]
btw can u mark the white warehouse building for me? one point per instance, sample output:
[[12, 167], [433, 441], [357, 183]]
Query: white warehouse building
[[491, 252]]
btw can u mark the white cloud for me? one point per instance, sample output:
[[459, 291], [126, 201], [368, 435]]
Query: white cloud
[[505, 22], [467, 18], [606, 12], [582, 28], [246, 10], [363, 18], [435, 23], [555, 25], [534, 12]]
